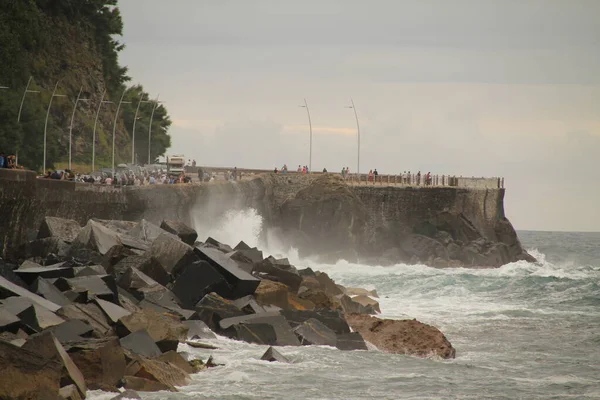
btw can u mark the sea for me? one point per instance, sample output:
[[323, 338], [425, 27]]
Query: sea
[[522, 331]]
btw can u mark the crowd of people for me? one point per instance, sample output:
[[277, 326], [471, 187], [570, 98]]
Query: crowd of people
[[124, 178], [8, 161]]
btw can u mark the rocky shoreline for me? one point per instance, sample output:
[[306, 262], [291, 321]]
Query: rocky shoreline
[[105, 306]]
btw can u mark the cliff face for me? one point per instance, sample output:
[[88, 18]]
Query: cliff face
[[318, 215]]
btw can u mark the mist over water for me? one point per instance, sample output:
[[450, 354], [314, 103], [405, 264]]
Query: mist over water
[[528, 331]]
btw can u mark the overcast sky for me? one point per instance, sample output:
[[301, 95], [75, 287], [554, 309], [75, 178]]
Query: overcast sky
[[497, 88]]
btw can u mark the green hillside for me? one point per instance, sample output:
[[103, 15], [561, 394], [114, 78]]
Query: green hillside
[[75, 43]]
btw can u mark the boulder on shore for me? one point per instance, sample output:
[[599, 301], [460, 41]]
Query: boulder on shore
[[409, 337]]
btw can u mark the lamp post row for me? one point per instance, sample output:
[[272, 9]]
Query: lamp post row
[[80, 99]]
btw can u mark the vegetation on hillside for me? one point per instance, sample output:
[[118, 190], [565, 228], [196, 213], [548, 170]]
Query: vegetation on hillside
[[73, 42]]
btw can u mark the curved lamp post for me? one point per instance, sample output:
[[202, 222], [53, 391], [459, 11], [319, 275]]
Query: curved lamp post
[[115, 129], [310, 137], [156, 103], [46, 123], [102, 101], [358, 138], [72, 118], [21, 109], [137, 110]]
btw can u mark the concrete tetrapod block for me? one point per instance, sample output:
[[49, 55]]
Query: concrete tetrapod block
[[141, 343], [274, 273], [273, 355], [224, 248], [29, 275], [28, 375], [212, 308], [144, 263], [97, 237], [46, 345], [133, 280], [32, 315], [103, 287], [184, 232], [172, 253], [314, 332], [334, 320], [63, 229], [197, 280], [198, 330], [91, 314], [112, 311], [8, 289], [114, 255], [258, 333], [101, 361], [242, 246], [242, 283], [72, 330], [146, 231], [165, 330], [351, 341], [283, 331], [249, 305]]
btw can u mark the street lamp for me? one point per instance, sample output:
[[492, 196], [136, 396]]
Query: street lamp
[[72, 118], [102, 101], [156, 103], [21, 109], [310, 137], [137, 110], [115, 130], [47, 116], [358, 137]]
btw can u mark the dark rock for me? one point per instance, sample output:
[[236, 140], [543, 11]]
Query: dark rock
[[224, 248], [8, 289], [332, 319], [184, 232], [287, 277], [274, 293], [314, 332], [327, 284], [242, 246], [212, 308], [144, 263], [63, 229], [402, 336], [159, 296], [172, 253], [198, 330], [9, 321], [146, 231], [103, 287], [273, 355], [243, 262], [82, 256], [101, 361], [90, 313], [144, 385], [28, 375], [72, 330], [29, 275], [29, 264], [306, 272], [283, 331], [174, 358], [41, 248], [134, 280], [197, 280], [112, 311], [249, 305], [259, 333], [351, 341], [46, 345], [141, 343], [77, 296], [97, 237], [33, 316], [128, 395], [114, 255], [7, 272], [165, 330], [242, 283], [423, 247], [127, 300]]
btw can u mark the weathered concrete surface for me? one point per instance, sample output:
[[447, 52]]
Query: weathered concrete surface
[[441, 226]]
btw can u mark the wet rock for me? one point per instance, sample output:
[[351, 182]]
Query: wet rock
[[197, 365], [258, 333], [29, 275], [249, 305], [101, 361], [283, 331], [349, 306], [171, 253], [46, 345], [197, 280], [268, 270], [314, 332], [97, 237], [253, 254], [367, 302], [198, 330], [184, 232], [270, 292], [90, 313], [141, 343], [128, 395], [145, 385], [242, 246], [332, 319], [27, 375], [402, 336], [241, 282], [224, 248], [174, 358], [70, 392], [63, 229], [272, 355], [212, 308], [165, 330], [351, 341]]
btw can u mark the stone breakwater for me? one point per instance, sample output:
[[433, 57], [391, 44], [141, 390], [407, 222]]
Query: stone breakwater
[[107, 305], [319, 215]]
